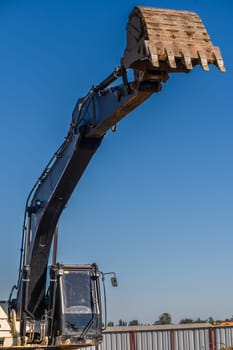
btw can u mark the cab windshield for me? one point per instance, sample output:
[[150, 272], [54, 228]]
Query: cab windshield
[[78, 303]]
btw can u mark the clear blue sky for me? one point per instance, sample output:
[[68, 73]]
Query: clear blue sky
[[156, 202]]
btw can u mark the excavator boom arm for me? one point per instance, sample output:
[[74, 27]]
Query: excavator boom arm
[[92, 117]]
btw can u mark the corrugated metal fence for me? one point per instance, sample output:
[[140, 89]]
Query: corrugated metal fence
[[180, 337]]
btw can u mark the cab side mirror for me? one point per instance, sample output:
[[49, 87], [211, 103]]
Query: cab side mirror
[[114, 281]]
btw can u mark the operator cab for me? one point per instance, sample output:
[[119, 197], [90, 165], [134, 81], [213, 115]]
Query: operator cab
[[77, 305]]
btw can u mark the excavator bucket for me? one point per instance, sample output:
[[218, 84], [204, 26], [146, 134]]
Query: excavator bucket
[[168, 41]]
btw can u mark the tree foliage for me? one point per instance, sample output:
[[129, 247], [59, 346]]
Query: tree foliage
[[122, 323], [134, 323], [186, 320], [164, 318]]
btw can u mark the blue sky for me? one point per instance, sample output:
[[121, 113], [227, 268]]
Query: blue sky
[[155, 205]]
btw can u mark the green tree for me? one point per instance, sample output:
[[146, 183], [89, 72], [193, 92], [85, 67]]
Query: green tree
[[122, 323], [165, 318], [110, 324], [134, 323], [211, 320], [198, 320], [186, 320]]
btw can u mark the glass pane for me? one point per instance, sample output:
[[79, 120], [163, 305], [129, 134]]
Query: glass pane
[[77, 292], [77, 322]]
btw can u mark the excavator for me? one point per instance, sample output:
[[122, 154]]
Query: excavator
[[60, 306]]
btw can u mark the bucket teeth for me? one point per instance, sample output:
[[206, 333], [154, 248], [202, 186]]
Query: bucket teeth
[[170, 57], [155, 59], [203, 60], [219, 59], [187, 58], [168, 41]]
